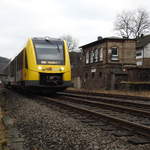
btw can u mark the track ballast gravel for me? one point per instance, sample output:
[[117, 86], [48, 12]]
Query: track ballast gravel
[[44, 127]]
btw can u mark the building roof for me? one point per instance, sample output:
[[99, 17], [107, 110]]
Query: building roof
[[143, 41], [102, 40]]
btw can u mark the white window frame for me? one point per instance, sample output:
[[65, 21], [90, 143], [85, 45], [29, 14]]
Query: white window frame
[[87, 57], [101, 54], [96, 55], [91, 56], [139, 52], [139, 63], [114, 56]]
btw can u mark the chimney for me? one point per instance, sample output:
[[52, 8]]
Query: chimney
[[99, 38], [142, 35]]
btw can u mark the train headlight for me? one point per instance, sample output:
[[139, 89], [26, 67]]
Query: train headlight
[[62, 69], [39, 67]]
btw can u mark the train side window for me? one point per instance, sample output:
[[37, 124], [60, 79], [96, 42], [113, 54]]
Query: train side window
[[26, 61], [21, 60]]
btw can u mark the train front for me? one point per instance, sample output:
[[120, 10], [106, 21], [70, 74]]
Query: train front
[[49, 63]]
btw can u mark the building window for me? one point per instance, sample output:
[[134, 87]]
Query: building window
[[91, 56], [87, 57], [101, 54], [93, 75], [139, 54], [114, 53], [96, 55], [100, 74], [139, 63], [86, 75]]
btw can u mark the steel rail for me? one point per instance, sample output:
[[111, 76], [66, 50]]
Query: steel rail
[[137, 128], [108, 100], [131, 97], [110, 106]]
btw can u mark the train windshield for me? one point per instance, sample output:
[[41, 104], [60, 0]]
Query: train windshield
[[49, 52]]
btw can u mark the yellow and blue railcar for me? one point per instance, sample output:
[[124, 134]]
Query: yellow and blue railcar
[[44, 63]]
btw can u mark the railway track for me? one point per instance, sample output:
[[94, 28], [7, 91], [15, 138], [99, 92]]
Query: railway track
[[124, 96], [143, 105], [46, 121], [120, 113]]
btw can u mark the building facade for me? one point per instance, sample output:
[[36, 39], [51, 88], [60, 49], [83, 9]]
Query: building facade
[[139, 76], [143, 51], [104, 60]]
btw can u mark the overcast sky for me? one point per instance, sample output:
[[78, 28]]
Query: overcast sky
[[83, 19]]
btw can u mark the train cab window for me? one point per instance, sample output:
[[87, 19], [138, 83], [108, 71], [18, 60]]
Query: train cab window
[[49, 52]]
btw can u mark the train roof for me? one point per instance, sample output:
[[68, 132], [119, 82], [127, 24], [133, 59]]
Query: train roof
[[46, 38]]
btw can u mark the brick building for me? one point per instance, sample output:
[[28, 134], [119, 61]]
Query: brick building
[[104, 60], [139, 76], [143, 51], [141, 72]]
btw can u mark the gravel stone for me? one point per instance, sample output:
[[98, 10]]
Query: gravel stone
[[47, 127]]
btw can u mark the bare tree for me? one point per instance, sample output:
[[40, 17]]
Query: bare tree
[[141, 23], [71, 42], [123, 24], [132, 24]]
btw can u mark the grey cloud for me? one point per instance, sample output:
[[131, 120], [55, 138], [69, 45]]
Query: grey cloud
[[81, 9], [83, 19]]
